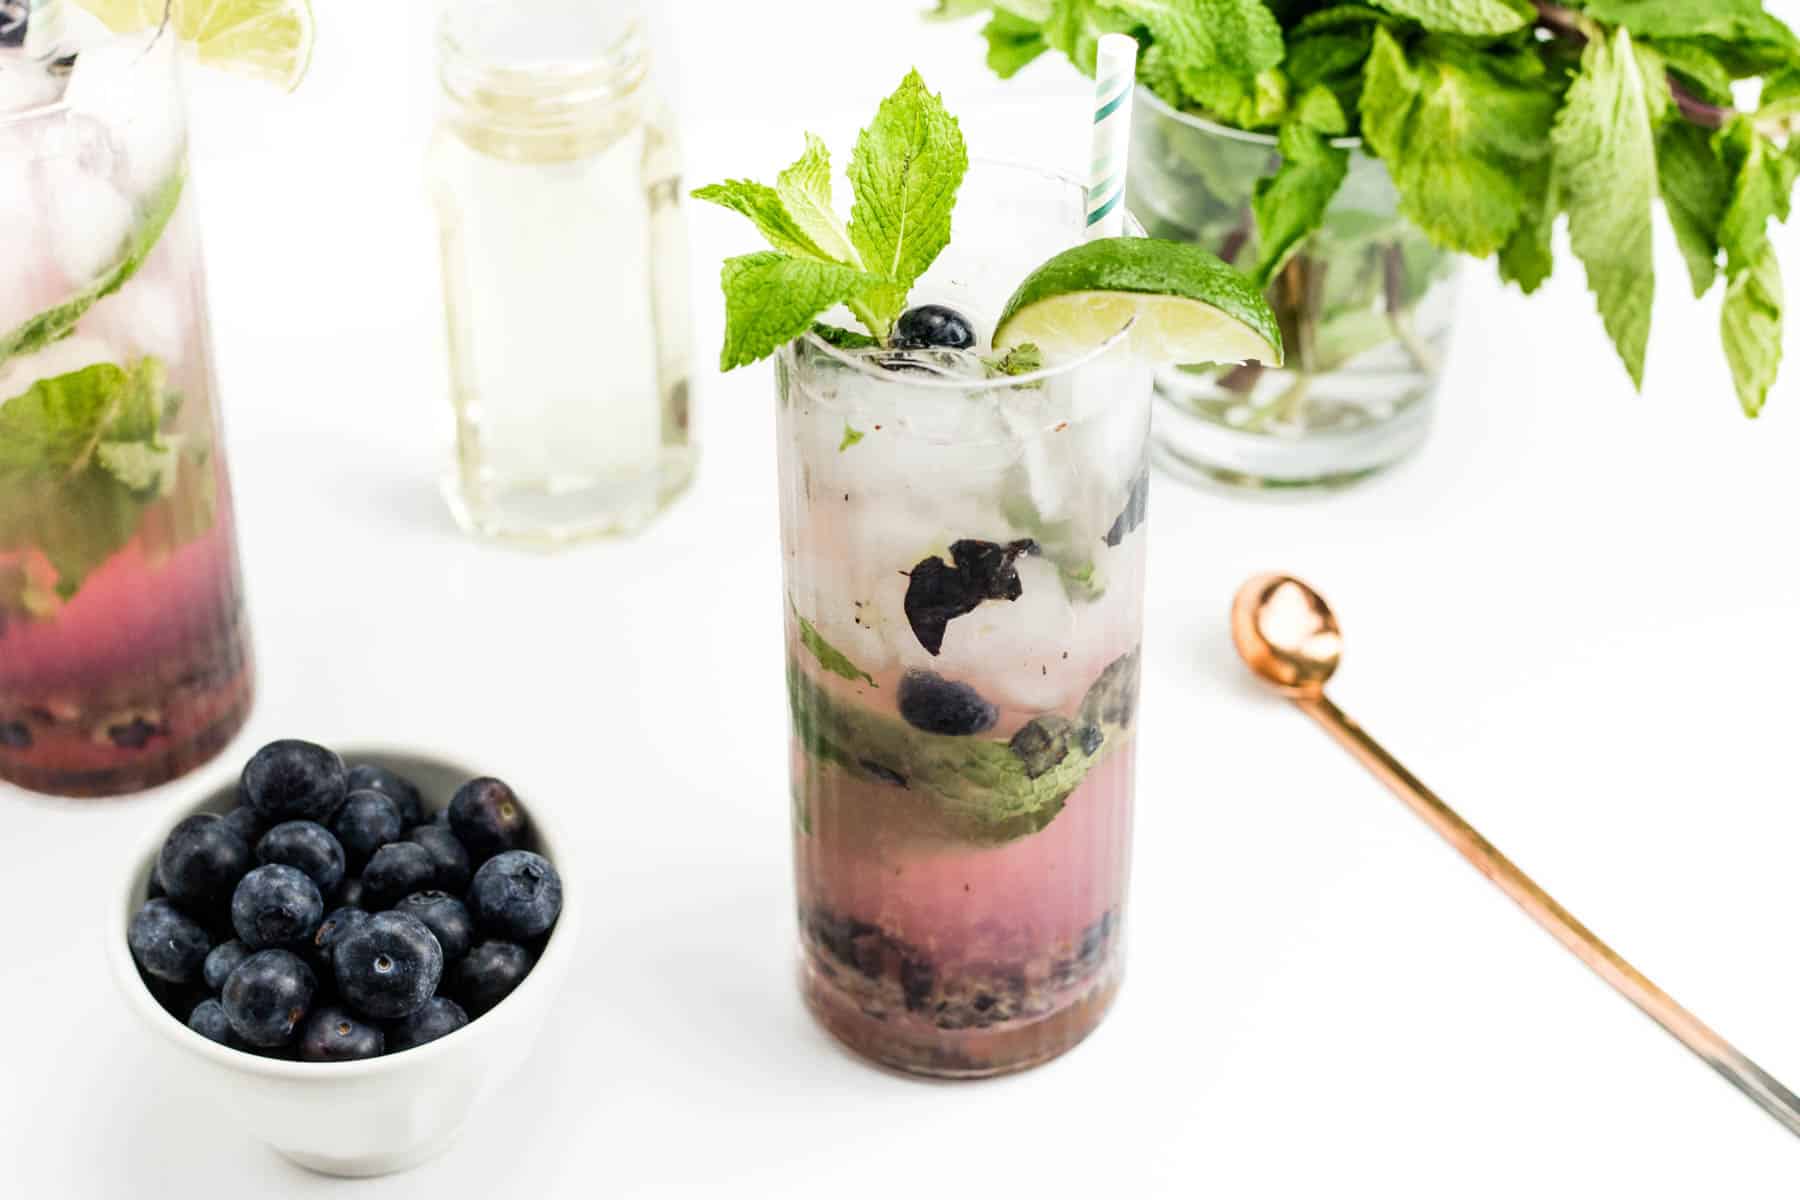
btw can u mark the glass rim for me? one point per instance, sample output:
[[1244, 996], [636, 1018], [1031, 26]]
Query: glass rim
[[1231, 132], [60, 105], [869, 369]]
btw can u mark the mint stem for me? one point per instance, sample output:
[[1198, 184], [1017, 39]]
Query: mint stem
[[1566, 22]]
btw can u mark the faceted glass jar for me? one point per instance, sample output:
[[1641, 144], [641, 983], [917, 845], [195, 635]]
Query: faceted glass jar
[[556, 178], [1365, 307], [963, 558], [124, 651]]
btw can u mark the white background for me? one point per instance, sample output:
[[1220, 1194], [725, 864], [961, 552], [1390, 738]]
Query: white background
[[1577, 614]]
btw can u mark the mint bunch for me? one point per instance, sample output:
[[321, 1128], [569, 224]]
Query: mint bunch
[[1496, 119], [905, 173]]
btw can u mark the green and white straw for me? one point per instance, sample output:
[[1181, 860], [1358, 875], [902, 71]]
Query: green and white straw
[[1115, 79]]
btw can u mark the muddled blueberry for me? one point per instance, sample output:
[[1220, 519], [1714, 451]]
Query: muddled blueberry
[[939, 592], [134, 734], [487, 974], [276, 905], [366, 822], [268, 996], [446, 917], [388, 966], [332, 930], [938, 705], [208, 1020], [167, 943], [487, 817], [222, 961], [294, 780], [15, 735], [1132, 515], [1090, 739], [202, 859], [441, 1015], [334, 1034], [1112, 698], [395, 786], [516, 895], [927, 325], [398, 869], [306, 846], [447, 854], [1042, 743]]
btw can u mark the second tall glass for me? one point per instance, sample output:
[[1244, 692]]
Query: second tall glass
[[964, 559]]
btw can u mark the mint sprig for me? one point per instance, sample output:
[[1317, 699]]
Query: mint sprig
[[905, 173], [1497, 120]]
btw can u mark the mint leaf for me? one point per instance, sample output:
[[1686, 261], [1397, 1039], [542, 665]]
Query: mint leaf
[[1013, 42], [843, 339], [1695, 189], [1750, 325], [1290, 204], [1728, 19], [1762, 187], [1075, 27], [1605, 176], [905, 171], [805, 193], [1780, 100], [53, 323], [1221, 53], [1022, 359], [1698, 67], [851, 437], [771, 299], [1528, 257], [829, 656], [1475, 18], [768, 212], [1459, 130]]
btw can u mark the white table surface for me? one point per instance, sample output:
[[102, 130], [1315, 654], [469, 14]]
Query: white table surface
[[1575, 614]]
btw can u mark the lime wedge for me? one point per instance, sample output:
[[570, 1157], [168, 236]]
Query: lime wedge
[[1183, 304], [269, 40]]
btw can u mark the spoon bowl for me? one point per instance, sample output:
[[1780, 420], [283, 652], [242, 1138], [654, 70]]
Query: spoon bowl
[[1287, 634]]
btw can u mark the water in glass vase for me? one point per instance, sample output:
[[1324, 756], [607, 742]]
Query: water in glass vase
[[557, 189]]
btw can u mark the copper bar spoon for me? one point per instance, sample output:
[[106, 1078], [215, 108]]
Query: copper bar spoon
[[1287, 634]]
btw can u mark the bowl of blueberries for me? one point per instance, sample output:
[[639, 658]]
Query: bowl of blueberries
[[349, 951]]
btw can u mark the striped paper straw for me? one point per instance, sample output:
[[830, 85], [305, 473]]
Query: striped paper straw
[[1115, 78]]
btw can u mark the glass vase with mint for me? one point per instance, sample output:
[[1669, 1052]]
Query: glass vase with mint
[[1346, 153], [963, 497], [124, 651]]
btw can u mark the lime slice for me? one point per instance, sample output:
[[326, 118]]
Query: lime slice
[[269, 40], [1183, 304]]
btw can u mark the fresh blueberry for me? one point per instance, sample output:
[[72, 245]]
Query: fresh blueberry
[[330, 932], [366, 822], [938, 705], [516, 895], [445, 916], [248, 824], [334, 1034], [201, 860], [349, 894], [276, 905], [168, 943], [208, 1020], [938, 592], [294, 781], [487, 817], [487, 974], [398, 869], [441, 1015], [268, 996], [933, 325], [396, 787], [388, 966], [222, 961], [447, 854], [306, 846]]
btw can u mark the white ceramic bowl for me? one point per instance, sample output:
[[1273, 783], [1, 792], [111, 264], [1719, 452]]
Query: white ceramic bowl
[[382, 1114]]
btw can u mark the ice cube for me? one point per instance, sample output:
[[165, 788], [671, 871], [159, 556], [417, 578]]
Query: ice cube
[[131, 92], [25, 85], [1011, 650], [59, 358], [145, 316], [88, 219]]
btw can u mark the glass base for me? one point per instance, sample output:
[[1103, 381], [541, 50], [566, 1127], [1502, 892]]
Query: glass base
[[549, 513], [919, 1049], [1202, 433]]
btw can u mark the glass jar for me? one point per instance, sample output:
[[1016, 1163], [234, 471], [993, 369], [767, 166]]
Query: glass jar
[[556, 177], [1365, 306], [124, 651]]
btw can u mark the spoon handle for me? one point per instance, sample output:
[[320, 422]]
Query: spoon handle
[[1689, 1030]]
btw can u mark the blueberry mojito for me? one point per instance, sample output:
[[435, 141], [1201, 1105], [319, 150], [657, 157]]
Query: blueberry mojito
[[963, 499]]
